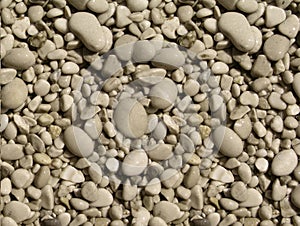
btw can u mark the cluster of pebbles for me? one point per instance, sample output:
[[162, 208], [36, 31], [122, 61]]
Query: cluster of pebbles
[[159, 112]]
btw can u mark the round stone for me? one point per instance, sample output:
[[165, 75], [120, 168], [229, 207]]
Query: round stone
[[284, 163], [78, 142], [237, 28], [169, 58], [276, 47], [229, 143], [19, 58], [296, 84], [137, 5], [135, 163], [88, 29], [16, 210], [163, 94], [143, 51], [295, 196], [14, 94], [130, 118]]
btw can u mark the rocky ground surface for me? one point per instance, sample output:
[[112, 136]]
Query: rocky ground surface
[[152, 112]]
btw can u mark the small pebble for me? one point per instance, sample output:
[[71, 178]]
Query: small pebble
[[284, 163], [14, 94], [135, 163], [276, 47]]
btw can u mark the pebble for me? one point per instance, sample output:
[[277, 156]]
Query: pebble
[[130, 118], [261, 68], [254, 198], [160, 152], [104, 198], [284, 163], [143, 51], [80, 5], [19, 59], [79, 204], [229, 204], [229, 5], [78, 142], [239, 191], [247, 6], [219, 173], [137, 5], [219, 68], [290, 27], [295, 196], [97, 6], [14, 94], [47, 197], [42, 177], [236, 27], [296, 83], [35, 13], [41, 87], [89, 191], [185, 13], [276, 47], [169, 58], [167, 211], [70, 68], [70, 173], [243, 127], [154, 221], [274, 16], [227, 141], [51, 222], [7, 221], [16, 210], [197, 198], [163, 94], [88, 29], [249, 98], [134, 163], [7, 75], [11, 152]]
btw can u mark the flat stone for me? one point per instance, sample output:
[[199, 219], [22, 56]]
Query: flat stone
[[296, 84], [167, 211], [47, 197], [261, 67], [7, 75], [197, 198], [97, 6], [243, 127], [137, 5], [228, 4], [135, 163], [88, 29], [16, 210], [295, 196], [284, 163], [105, 198], [79, 5], [168, 58], [247, 6], [21, 178], [239, 191], [219, 173], [274, 16], [14, 94], [254, 199], [276, 47], [229, 143], [89, 191], [143, 51], [79, 204], [163, 94], [160, 152], [130, 118], [236, 27], [290, 27], [78, 142], [11, 152], [70, 173], [19, 58]]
